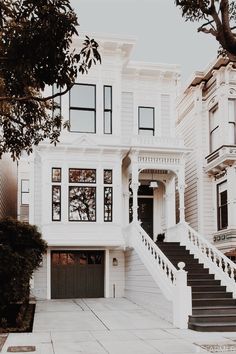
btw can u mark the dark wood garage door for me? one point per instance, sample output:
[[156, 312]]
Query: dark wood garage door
[[76, 274]]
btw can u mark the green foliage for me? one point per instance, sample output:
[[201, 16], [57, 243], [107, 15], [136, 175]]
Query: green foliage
[[21, 252], [35, 51]]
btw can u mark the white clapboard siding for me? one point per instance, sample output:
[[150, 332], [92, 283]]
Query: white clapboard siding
[[165, 115], [37, 194], [127, 114], [117, 274], [142, 289], [186, 128], [40, 281]]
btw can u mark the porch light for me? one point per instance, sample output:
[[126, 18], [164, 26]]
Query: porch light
[[153, 184]]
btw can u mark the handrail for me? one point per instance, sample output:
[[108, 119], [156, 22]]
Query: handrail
[[162, 262], [223, 263]]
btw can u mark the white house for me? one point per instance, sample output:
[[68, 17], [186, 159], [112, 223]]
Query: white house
[[121, 161], [206, 119]]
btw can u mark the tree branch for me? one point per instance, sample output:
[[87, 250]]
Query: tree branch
[[35, 98]]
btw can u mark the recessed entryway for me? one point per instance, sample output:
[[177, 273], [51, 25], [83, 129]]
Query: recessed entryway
[[77, 274]]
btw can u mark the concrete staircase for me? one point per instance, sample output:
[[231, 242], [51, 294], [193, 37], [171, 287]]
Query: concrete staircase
[[214, 309]]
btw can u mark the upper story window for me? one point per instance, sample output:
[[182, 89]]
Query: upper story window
[[146, 116], [24, 192], [222, 205], [107, 97], [214, 128], [231, 122], [83, 108]]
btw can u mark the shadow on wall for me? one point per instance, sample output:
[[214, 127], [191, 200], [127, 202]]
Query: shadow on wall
[[8, 187]]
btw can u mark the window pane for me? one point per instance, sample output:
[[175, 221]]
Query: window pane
[[56, 203], [82, 121], [232, 111], [214, 118], [24, 198], [107, 177], [82, 175], [108, 204], [231, 133], [146, 132], [25, 185], [214, 141], [146, 117], [82, 96], [107, 97], [56, 174], [82, 203], [107, 122]]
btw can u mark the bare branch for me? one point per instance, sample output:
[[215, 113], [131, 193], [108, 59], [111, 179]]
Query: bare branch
[[35, 98]]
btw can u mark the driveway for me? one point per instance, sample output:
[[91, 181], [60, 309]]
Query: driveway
[[115, 326]]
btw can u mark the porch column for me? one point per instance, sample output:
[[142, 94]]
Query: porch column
[[170, 203], [181, 189], [134, 186]]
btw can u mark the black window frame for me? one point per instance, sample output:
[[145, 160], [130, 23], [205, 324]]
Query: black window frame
[[94, 187], [52, 176], [84, 109], [59, 187], [107, 110], [104, 197], [144, 128], [220, 208]]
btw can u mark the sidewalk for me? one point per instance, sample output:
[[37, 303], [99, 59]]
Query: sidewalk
[[115, 326]]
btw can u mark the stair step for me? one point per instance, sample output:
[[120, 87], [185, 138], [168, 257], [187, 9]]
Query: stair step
[[212, 327], [211, 295], [226, 318], [207, 288], [200, 276], [214, 302], [204, 281], [211, 310]]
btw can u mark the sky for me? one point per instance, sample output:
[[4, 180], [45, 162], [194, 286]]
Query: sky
[[162, 35]]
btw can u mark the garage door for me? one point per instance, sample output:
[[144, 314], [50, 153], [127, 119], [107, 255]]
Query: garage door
[[76, 274]]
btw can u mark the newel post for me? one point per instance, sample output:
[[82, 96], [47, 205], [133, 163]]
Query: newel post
[[182, 301]]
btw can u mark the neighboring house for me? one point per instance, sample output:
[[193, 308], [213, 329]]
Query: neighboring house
[[121, 161], [8, 187], [206, 120]]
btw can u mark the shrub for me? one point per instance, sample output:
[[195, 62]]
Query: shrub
[[21, 252]]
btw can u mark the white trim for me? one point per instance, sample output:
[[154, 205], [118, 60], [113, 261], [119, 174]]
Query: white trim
[[49, 274], [107, 274]]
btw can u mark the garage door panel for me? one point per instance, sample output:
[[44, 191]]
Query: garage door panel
[[95, 287], [76, 274]]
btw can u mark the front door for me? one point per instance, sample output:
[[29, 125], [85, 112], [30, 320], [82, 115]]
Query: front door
[[145, 214]]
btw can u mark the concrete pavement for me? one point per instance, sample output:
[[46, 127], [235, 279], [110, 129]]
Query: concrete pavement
[[115, 326]]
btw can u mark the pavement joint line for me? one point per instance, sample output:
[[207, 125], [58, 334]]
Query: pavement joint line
[[51, 341], [76, 303], [96, 315], [107, 351]]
